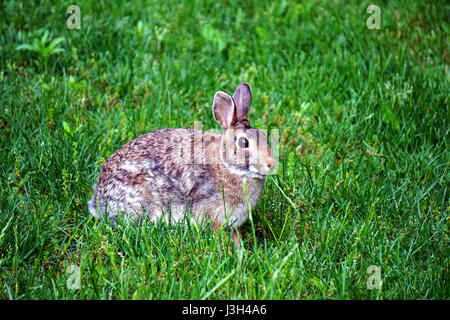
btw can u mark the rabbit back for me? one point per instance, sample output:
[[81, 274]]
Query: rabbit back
[[149, 176]]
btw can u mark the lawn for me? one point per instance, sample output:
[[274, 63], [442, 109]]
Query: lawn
[[359, 207]]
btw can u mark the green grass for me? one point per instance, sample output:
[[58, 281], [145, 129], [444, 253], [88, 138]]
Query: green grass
[[364, 166]]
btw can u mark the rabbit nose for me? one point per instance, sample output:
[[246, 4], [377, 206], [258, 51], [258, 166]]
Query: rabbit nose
[[271, 164]]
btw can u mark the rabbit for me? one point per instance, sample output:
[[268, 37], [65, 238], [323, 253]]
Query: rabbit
[[168, 173]]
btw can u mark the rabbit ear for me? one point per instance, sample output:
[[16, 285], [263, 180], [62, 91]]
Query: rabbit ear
[[243, 98], [224, 109]]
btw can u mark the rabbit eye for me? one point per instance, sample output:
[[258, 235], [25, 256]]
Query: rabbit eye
[[243, 142]]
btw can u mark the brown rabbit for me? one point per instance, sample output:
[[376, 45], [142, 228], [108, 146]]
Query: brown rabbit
[[167, 173]]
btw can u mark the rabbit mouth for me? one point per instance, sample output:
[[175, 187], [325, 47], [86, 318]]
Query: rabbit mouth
[[251, 172], [255, 175]]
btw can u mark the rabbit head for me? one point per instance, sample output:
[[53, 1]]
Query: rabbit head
[[243, 150]]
